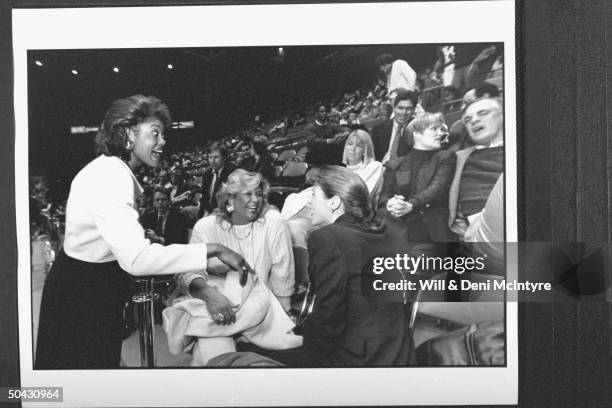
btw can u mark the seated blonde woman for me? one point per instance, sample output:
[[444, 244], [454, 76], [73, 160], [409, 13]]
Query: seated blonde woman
[[359, 157], [243, 221]]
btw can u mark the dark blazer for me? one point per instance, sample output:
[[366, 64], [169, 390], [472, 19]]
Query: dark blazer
[[432, 185], [345, 328], [205, 202], [381, 137], [175, 231]]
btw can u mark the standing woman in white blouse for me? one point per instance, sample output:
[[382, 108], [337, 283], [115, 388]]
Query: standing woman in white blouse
[[359, 157], [81, 312]]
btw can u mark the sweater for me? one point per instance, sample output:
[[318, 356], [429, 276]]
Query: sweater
[[480, 173]]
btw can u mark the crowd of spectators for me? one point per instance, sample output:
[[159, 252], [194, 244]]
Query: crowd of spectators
[[429, 181], [182, 173]]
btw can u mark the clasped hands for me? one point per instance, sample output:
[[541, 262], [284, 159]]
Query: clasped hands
[[397, 206]]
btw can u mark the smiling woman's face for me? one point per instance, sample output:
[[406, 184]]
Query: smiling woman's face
[[247, 206], [147, 143]]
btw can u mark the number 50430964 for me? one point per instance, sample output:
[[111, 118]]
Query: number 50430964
[[49, 394]]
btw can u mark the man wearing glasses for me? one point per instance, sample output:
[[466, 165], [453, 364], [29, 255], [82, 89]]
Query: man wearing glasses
[[478, 167]]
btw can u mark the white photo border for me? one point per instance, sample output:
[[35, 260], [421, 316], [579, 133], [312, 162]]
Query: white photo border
[[275, 25]]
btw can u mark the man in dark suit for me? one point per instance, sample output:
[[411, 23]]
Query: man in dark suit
[[165, 225], [212, 179], [386, 136]]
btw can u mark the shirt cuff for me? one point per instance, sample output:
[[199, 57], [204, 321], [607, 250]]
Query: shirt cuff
[[186, 279]]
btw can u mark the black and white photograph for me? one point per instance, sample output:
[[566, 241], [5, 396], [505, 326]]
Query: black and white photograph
[[221, 193]]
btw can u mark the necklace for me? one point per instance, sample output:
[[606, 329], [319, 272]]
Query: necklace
[[250, 233], [233, 229]]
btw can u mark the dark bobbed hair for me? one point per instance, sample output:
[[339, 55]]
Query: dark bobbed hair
[[383, 59], [123, 114], [403, 94], [352, 191]]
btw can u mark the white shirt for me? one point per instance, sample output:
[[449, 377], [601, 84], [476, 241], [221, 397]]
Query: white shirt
[[295, 202], [102, 224], [370, 173], [492, 144], [401, 76], [265, 244]]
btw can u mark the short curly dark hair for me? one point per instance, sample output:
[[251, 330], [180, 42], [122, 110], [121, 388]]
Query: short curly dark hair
[[123, 114], [383, 59]]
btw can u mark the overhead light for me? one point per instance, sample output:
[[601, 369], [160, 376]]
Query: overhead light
[[170, 66], [75, 72], [280, 50], [115, 69], [40, 64]]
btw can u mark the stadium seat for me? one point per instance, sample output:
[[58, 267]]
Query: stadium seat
[[432, 316], [302, 152], [300, 255], [285, 155], [295, 170], [498, 81], [278, 194], [278, 171]]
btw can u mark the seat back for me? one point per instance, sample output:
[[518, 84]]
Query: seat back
[[300, 256], [489, 306], [285, 155], [295, 170]]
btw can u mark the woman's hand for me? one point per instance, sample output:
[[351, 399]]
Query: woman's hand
[[232, 259], [220, 308]]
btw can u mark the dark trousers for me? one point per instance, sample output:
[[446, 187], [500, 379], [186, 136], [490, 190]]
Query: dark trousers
[[81, 315]]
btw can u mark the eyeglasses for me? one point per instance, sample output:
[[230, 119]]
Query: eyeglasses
[[480, 114]]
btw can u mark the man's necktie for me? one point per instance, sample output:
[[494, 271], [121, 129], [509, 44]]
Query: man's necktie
[[212, 186], [395, 143], [159, 227]]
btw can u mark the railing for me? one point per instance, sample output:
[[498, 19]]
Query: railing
[[144, 299]]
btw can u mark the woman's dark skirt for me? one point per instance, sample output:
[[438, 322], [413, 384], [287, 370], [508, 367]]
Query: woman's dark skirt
[[81, 315]]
